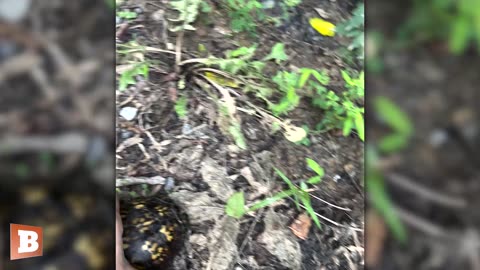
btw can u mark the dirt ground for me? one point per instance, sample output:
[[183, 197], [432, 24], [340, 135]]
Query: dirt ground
[[440, 93], [202, 167]]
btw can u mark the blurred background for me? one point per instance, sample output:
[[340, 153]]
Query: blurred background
[[423, 167], [57, 130]]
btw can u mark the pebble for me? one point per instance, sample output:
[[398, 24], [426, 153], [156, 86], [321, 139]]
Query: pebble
[[128, 113], [438, 137], [186, 129]]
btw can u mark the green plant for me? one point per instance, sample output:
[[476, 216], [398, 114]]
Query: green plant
[[402, 128], [240, 63], [187, 14], [457, 21], [282, 92], [128, 76], [340, 111], [181, 107], [236, 131], [399, 123], [243, 15], [125, 14], [236, 203], [355, 30], [379, 197], [292, 3], [286, 82], [133, 64]]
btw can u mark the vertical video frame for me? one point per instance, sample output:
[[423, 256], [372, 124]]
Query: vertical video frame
[[240, 134]]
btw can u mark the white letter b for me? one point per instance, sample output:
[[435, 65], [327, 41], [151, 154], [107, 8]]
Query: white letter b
[[28, 241]]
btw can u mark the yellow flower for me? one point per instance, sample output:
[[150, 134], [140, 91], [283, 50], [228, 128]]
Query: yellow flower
[[323, 27]]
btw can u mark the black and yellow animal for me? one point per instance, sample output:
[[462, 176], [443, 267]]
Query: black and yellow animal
[[154, 231]]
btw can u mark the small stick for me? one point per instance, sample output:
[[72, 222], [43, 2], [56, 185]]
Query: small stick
[[178, 50], [156, 180], [422, 191], [333, 222]]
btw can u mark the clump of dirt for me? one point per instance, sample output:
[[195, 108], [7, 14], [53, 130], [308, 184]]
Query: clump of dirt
[[206, 166]]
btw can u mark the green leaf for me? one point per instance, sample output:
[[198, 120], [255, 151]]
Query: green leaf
[[304, 76], [459, 34], [236, 205], [278, 53], [126, 79], [291, 186], [181, 107], [314, 180], [242, 51], [393, 116], [236, 132], [359, 126], [315, 167], [346, 77], [477, 28], [347, 127], [305, 198], [269, 201], [381, 201], [205, 7], [285, 178], [393, 142], [127, 14], [321, 77]]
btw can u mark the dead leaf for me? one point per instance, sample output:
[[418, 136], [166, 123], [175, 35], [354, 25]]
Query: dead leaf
[[376, 232], [129, 142], [120, 69], [139, 56], [228, 100], [301, 226], [294, 133], [221, 80]]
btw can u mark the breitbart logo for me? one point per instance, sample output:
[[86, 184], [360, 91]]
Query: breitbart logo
[[25, 241]]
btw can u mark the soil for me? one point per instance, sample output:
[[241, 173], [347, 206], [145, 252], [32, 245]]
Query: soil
[[439, 92], [202, 167]]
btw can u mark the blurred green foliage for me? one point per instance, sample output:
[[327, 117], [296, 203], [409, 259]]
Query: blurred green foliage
[[354, 29], [379, 197], [397, 121], [455, 21], [401, 131]]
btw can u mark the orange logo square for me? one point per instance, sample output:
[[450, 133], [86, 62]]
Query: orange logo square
[[25, 241]]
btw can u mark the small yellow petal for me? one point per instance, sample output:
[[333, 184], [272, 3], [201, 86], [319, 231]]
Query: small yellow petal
[[323, 27]]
